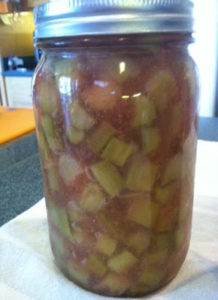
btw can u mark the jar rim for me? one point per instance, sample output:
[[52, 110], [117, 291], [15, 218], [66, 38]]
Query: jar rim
[[105, 17]]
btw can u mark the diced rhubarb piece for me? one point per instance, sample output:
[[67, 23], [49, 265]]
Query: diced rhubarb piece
[[68, 168], [145, 112], [43, 146], [57, 245], [74, 135], [75, 213], [161, 89], [96, 266], [79, 118], [138, 289], [49, 100], [101, 137], [102, 95], [157, 256], [52, 137], [122, 262], [92, 198], [106, 245], [77, 273], [152, 277], [164, 194], [173, 169], [77, 237], [161, 244], [108, 177], [53, 179], [64, 67], [143, 211], [189, 147], [179, 236], [141, 175], [184, 210], [111, 227], [117, 151], [115, 284], [150, 140], [48, 127], [189, 152], [58, 216], [138, 242]]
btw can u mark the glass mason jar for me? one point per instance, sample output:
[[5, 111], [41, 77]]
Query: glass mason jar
[[116, 122]]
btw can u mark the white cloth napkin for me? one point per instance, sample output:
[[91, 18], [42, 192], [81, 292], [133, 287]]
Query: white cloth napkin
[[27, 270]]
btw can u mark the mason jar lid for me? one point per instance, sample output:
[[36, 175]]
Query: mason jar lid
[[65, 18]]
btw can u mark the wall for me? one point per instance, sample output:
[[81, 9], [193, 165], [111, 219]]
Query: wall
[[16, 39]]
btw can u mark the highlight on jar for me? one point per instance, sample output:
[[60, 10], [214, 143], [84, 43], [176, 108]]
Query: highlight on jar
[[117, 134]]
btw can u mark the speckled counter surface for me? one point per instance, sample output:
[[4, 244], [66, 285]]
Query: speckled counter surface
[[20, 173], [20, 178]]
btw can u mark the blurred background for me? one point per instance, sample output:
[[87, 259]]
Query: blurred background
[[20, 175]]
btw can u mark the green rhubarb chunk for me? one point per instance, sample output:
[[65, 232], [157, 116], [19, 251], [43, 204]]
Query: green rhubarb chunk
[[122, 262], [106, 245], [77, 273], [52, 137], [53, 179], [101, 137], [108, 177], [151, 277], [165, 193], [58, 245], [173, 170], [114, 283], [145, 112], [74, 135], [163, 240], [157, 257], [142, 211], [117, 151], [58, 216], [43, 146], [111, 227], [68, 168], [141, 175], [150, 140], [92, 198], [75, 213], [189, 147], [79, 118], [179, 236], [161, 88], [96, 266], [49, 100], [64, 67], [48, 127], [184, 210], [138, 288], [138, 242]]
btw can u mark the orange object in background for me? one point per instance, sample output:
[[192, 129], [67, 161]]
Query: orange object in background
[[15, 122]]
